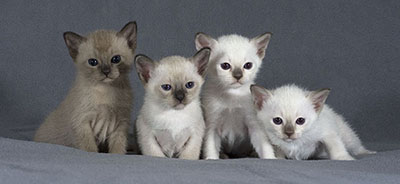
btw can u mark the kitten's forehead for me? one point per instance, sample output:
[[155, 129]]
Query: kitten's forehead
[[177, 68], [105, 42], [237, 48], [289, 101]]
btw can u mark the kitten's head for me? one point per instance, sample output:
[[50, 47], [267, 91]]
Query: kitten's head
[[289, 111], [235, 60], [103, 56], [175, 81]]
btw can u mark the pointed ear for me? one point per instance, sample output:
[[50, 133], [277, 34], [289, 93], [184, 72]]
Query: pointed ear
[[144, 65], [73, 40], [261, 43], [318, 98], [129, 32], [202, 40], [200, 60], [260, 95]]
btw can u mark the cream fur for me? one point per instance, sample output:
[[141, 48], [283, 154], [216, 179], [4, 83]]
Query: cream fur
[[166, 127]]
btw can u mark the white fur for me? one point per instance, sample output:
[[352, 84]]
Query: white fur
[[324, 132], [230, 118]]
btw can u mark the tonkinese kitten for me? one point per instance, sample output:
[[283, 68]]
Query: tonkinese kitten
[[96, 112], [232, 127], [170, 123], [300, 126]]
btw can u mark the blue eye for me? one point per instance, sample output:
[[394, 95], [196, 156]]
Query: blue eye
[[248, 65], [225, 66], [277, 120], [93, 62], [166, 87], [300, 121], [189, 85], [116, 59]]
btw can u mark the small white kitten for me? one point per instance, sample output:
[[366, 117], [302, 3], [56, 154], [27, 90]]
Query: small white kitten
[[171, 123], [300, 126], [232, 127]]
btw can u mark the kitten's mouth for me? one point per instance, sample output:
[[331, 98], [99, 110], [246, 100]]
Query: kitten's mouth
[[179, 106], [108, 79], [236, 84]]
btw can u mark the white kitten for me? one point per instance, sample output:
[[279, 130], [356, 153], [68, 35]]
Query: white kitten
[[232, 127], [171, 122], [301, 126]]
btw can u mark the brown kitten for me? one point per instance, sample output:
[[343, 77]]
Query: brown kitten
[[96, 112]]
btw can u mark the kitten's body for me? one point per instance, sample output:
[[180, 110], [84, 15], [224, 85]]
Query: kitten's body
[[97, 109], [165, 126], [232, 128], [324, 133]]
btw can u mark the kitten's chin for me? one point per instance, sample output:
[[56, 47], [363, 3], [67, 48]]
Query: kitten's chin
[[179, 106]]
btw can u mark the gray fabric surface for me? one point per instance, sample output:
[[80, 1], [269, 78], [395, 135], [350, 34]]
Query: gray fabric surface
[[349, 46], [29, 162]]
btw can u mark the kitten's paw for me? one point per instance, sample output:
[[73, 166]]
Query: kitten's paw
[[367, 152], [211, 158], [343, 157]]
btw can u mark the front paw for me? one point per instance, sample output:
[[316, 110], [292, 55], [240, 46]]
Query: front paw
[[211, 158], [343, 157]]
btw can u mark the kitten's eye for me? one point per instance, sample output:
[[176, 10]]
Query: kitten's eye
[[300, 121], [189, 85], [248, 65], [116, 59], [225, 66], [166, 87], [277, 120], [93, 62]]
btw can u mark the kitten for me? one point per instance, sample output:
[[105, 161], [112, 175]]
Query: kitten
[[96, 112], [302, 127], [232, 128], [171, 123]]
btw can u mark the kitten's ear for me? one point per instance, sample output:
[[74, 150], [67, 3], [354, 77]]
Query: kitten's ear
[[318, 98], [202, 40], [144, 65], [260, 95], [261, 43], [200, 60], [129, 32], [73, 40]]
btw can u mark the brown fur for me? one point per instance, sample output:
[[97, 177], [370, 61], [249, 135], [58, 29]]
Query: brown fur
[[97, 109]]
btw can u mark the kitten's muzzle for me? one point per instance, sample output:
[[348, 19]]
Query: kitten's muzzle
[[237, 74], [106, 70], [289, 130], [179, 95]]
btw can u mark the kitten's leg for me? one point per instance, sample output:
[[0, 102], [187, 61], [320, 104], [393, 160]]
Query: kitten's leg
[[260, 142], [84, 138], [151, 147], [212, 144], [336, 148], [192, 148], [351, 140], [279, 153], [117, 142]]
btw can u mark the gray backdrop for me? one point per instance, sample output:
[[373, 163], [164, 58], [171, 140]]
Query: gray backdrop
[[349, 46]]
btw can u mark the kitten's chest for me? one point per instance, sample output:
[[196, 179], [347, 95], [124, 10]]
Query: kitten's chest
[[299, 150], [172, 144]]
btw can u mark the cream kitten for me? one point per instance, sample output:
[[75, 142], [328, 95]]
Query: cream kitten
[[171, 122], [96, 112], [301, 126], [232, 127]]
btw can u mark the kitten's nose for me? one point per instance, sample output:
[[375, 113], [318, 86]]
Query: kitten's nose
[[106, 70], [237, 74], [180, 95], [289, 133], [289, 130]]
